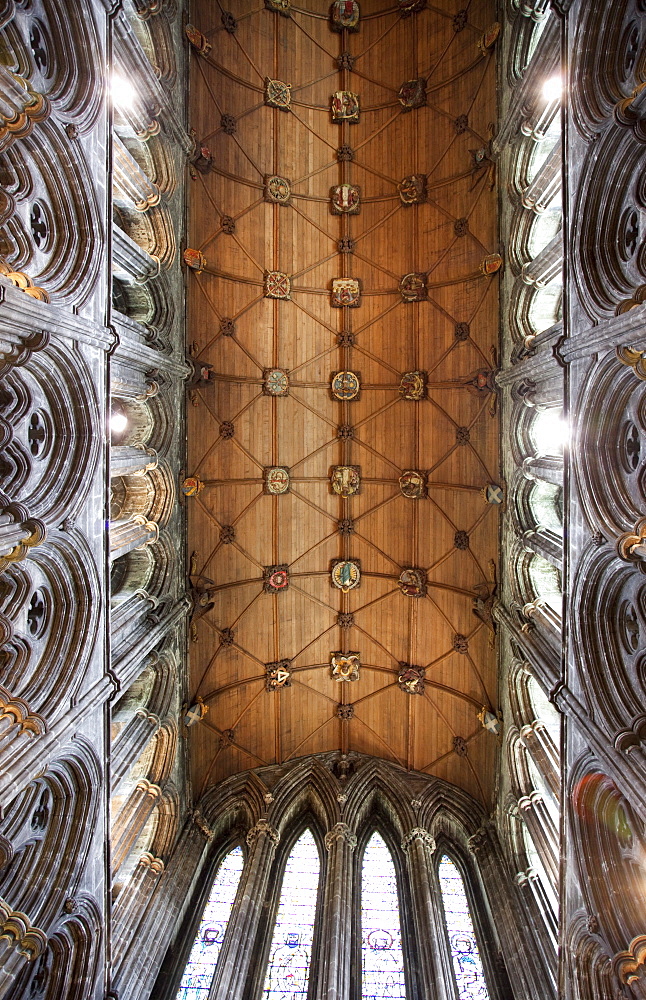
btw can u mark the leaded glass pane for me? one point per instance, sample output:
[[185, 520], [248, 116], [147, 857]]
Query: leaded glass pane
[[204, 954], [291, 946], [382, 961], [469, 974]]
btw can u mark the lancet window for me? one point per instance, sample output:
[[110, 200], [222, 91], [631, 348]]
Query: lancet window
[[467, 964], [200, 967], [291, 947], [382, 960]]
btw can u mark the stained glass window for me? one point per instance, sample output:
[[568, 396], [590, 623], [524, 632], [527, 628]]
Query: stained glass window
[[382, 961], [291, 946], [200, 967], [467, 966]]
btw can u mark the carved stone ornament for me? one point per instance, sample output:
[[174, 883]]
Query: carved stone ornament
[[345, 712], [462, 435], [344, 15], [412, 582], [229, 22], [412, 94], [227, 635], [412, 385], [635, 358], [461, 124], [345, 619], [199, 41], [420, 834], [277, 189], [461, 540], [481, 382], [490, 264], [195, 260], [462, 331], [340, 831], [413, 189], [411, 678], [228, 224], [345, 385], [461, 227], [345, 60], [346, 245], [277, 480], [410, 6], [227, 534], [227, 737], [346, 480], [346, 292], [279, 6], [227, 430], [489, 720], [227, 327], [413, 287], [494, 493], [460, 643], [275, 382], [263, 828], [345, 432], [191, 486], [277, 675], [346, 574], [489, 38], [346, 199], [345, 666], [195, 713], [345, 106], [277, 285], [345, 153], [460, 21], [228, 124], [460, 746], [278, 94], [275, 579], [412, 483]]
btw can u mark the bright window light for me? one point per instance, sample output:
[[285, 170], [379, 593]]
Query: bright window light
[[123, 92], [552, 88], [118, 423], [549, 431]]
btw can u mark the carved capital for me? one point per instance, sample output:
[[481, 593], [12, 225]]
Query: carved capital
[[263, 828], [630, 964], [340, 831], [479, 841], [202, 825], [419, 833], [17, 929]]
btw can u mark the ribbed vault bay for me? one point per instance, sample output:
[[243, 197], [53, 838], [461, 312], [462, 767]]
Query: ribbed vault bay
[[238, 430]]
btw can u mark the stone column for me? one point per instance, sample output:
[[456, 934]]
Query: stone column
[[430, 937], [531, 970], [238, 952], [132, 819], [131, 905], [333, 979]]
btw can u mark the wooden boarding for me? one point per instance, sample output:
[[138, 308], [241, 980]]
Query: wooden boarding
[[450, 433]]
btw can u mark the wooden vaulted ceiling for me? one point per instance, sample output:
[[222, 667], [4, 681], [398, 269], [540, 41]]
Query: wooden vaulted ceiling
[[236, 529]]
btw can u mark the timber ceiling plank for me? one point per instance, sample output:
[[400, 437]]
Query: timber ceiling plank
[[238, 429]]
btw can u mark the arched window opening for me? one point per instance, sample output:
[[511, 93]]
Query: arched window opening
[[545, 711], [291, 947], [467, 964], [200, 967], [546, 583], [536, 862], [382, 960], [549, 431], [546, 503]]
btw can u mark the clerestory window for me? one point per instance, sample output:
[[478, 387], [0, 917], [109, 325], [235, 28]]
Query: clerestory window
[[467, 964], [200, 967], [291, 947], [292, 960]]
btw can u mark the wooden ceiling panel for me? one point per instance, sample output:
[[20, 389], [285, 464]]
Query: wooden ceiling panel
[[238, 430]]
